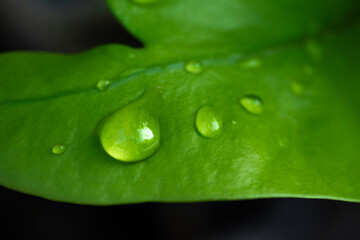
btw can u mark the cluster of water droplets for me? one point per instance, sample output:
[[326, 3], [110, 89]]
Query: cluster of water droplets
[[132, 133]]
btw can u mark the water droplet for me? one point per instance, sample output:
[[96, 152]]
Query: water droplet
[[58, 149], [297, 88], [132, 133], [193, 67], [252, 104], [131, 55], [208, 122], [103, 84], [144, 2], [251, 63], [234, 122]]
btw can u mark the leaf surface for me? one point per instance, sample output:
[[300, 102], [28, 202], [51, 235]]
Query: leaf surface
[[301, 60]]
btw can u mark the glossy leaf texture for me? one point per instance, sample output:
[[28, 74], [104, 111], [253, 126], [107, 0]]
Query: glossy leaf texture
[[282, 76]]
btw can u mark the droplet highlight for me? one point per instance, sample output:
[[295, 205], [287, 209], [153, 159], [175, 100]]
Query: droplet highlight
[[194, 67], [252, 104], [208, 122], [103, 84], [58, 149], [131, 133]]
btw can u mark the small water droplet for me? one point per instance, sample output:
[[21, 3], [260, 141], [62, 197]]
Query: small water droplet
[[58, 149], [252, 104], [234, 122], [103, 84], [208, 122], [194, 67], [297, 88], [251, 63], [131, 133]]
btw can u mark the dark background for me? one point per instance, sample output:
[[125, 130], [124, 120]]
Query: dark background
[[77, 25]]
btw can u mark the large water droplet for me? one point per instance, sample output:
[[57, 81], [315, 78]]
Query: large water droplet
[[103, 84], [208, 122], [252, 104], [58, 149], [132, 133], [194, 67]]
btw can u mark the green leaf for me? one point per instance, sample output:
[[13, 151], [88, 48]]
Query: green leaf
[[299, 137]]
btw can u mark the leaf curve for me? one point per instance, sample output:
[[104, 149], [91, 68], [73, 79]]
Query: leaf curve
[[236, 24], [304, 144]]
